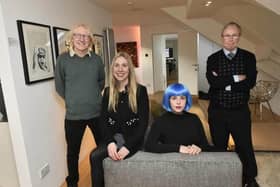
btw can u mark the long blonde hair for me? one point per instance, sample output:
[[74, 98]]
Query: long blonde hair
[[114, 86]]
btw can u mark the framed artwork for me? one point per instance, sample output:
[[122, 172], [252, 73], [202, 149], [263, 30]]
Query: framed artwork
[[36, 51], [131, 49], [60, 43], [98, 46]]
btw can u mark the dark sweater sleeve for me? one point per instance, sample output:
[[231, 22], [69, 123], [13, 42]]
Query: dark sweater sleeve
[[216, 82], [59, 77], [153, 143], [143, 114], [251, 74], [108, 134]]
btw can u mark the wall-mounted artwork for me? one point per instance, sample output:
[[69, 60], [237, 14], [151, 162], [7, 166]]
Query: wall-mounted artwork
[[131, 49], [98, 46], [60, 43], [36, 51]]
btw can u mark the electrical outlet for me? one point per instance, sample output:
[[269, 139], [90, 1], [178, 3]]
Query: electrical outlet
[[44, 170]]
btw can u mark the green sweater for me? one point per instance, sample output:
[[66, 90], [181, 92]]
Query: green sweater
[[79, 81]]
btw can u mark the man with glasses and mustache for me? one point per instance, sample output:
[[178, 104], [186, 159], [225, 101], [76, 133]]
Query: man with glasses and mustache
[[79, 80], [231, 73]]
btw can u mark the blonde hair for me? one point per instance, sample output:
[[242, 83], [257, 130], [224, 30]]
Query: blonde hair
[[114, 86], [70, 34]]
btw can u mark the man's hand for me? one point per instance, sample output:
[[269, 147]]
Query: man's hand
[[123, 152], [112, 151], [214, 73], [241, 77]]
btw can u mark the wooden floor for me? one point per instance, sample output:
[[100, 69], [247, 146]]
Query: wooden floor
[[267, 117]]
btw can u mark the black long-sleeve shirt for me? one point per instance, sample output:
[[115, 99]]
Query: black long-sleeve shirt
[[243, 63], [171, 130], [131, 125]]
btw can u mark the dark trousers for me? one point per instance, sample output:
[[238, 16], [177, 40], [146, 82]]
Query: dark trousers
[[74, 131], [96, 161], [238, 124]]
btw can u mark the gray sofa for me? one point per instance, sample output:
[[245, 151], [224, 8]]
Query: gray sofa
[[208, 169]]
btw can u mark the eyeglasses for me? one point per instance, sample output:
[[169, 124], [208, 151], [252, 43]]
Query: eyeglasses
[[78, 36], [228, 36]]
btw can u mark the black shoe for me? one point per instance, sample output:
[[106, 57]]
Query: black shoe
[[252, 184]]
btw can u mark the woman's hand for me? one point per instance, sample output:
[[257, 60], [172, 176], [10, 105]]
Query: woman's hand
[[123, 152], [190, 149], [112, 151], [194, 150], [183, 149]]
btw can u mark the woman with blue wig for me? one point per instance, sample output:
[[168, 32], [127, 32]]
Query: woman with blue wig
[[177, 130]]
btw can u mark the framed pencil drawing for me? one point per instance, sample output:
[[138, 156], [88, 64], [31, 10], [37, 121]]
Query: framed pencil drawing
[[36, 51], [98, 46], [60, 43]]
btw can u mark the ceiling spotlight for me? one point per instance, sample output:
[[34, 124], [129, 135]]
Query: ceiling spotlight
[[129, 3], [208, 3]]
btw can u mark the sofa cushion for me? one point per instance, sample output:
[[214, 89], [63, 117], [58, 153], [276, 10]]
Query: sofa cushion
[[208, 169]]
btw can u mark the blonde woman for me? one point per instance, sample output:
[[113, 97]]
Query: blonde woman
[[125, 113], [79, 80]]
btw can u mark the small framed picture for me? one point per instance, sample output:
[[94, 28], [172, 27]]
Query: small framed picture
[[36, 51], [98, 46], [60, 43]]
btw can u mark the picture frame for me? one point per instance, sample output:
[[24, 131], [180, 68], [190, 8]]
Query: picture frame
[[131, 49], [98, 45], [60, 43], [36, 51]]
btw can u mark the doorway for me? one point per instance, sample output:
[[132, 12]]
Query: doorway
[[171, 58], [165, 58]]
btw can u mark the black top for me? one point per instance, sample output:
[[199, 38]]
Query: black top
[[131, 125], [171, 130], [244, 62]]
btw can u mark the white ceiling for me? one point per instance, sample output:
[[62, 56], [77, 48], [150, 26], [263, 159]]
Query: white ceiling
[[150, 12], [137, 5]]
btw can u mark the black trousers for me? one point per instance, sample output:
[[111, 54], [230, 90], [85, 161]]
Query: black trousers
[[238, 124], [74, 131], [96, 161]]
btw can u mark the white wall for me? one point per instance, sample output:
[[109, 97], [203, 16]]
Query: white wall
[[187, 49], [8, 175], [205, 48], [159, 64], [35, 112], [131, 34]]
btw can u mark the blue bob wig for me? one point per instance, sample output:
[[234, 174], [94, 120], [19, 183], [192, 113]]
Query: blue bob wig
[[176, 89]]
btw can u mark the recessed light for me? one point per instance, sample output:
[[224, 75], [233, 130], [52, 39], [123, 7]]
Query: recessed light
[[208, 3], [129, 3]]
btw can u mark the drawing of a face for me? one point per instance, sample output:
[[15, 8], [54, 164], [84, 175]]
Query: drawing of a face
[[40, 60]]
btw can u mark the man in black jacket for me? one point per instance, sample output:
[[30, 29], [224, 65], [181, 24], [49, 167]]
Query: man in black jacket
[[231, 73]]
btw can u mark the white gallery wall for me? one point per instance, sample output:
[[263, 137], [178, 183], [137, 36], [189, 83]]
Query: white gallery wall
[[35, 112]]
